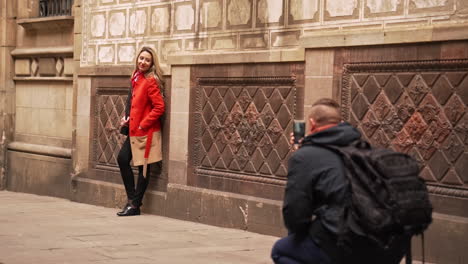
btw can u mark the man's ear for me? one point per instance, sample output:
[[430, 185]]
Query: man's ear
[[312, 124]]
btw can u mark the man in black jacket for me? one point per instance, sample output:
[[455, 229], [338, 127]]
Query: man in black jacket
[[315, 195]]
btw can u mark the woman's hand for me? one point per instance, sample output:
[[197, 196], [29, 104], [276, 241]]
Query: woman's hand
[[124, 121]]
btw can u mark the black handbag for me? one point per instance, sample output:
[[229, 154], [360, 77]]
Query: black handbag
[[124, 130]]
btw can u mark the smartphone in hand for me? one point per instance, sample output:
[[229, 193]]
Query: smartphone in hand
[[298, 130]]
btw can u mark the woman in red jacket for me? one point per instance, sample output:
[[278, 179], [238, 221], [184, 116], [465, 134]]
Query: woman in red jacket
[[145, 106]]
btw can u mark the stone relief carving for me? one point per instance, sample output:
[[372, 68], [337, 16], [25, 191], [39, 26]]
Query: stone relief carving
[[210, 15], [160, 20], [341, 8], [127, 53], [242, 126], [303, 9], [269, 11], [184, 17], [239, 12], [98, 25], [429, 3], [106, 54], [138, 22], [381, 6], [418, 110], [117, 24]]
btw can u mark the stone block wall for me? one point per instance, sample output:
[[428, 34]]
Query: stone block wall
[[40, 143], [113, 30], [8, 12]]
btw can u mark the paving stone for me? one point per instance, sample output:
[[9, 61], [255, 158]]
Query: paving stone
[[39, 229]]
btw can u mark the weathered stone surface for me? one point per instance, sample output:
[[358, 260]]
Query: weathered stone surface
[[117, 24], [184, 17], [24, 176], [81, 233], [211, 14], [160, 19], [429, 4], [98, 25], [253, 41], [138, 22], [239, 12], [303, 9], [341, 8], [23, 67], [382, 6], [47, 67], [269, 11], [126, 53], [106, 54]]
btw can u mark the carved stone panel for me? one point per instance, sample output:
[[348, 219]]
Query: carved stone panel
[[109, 108], [415, 107], [241, 128]]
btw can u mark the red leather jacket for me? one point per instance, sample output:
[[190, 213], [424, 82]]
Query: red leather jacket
[[147, 107]]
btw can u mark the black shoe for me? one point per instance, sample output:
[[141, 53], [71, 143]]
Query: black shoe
[[129, 210], [124, 208]]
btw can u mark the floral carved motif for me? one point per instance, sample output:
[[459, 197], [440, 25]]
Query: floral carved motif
[[416, 112], [244, 125]]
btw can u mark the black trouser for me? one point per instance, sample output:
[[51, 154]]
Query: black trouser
[[124, 158]]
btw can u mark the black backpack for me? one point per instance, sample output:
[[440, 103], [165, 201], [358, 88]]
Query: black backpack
[[388, 198]]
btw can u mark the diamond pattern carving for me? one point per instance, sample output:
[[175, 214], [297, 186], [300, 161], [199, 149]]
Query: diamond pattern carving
[[381, 107], [108, 140], [416, 126], [417, 89], [370, 123], [421, 111], [462, 90], [462, 167], [452, 147], [393, 89], [371, 89], [442, 90], [462, 129], [244, 125], [439, 165], [360, 106], [454, 109]]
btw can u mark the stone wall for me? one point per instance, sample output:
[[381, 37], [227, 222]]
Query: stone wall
[[7, 91], [113, 30], [39, 146]]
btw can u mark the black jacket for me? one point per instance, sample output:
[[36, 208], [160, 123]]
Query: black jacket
[[317, 185], [318, 188]]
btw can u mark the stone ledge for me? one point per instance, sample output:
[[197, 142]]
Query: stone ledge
[[54, 79], [40, 149], [47, 51], [47, 23], [393, 35]]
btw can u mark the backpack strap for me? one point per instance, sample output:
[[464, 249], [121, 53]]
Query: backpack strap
[[409, 255]]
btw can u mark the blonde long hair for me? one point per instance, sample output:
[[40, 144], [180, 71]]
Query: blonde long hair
[[155, 67]]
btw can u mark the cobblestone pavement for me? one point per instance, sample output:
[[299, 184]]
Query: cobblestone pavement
[[38, 229]]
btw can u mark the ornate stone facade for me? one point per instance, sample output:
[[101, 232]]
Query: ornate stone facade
[[417, 108], [113, 30]]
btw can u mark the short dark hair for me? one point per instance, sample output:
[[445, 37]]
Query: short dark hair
[[325, 111], [328, 102]]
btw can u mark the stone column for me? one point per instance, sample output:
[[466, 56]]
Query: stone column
[[7, 87], [180, 100]]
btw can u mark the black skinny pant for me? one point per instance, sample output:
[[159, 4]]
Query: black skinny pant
[[124, 158]]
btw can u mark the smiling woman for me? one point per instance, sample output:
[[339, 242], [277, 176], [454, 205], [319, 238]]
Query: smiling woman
[[145, 106]]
